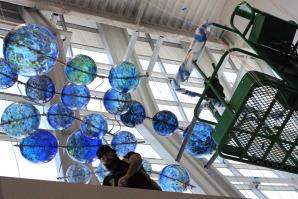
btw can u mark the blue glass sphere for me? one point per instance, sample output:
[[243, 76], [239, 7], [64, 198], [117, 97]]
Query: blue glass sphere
[[40, 89], [60, 117], [30, 49], [174, 178], [20, 119], [101, 172], [81, 148], [8, 76], [39, 147], [165, 123], [135, 115], [116, 102], [201, 142], [81, 70], [147, 167], [94, 126], [75, 97], [125, 77], [78, 173], [124, 142]]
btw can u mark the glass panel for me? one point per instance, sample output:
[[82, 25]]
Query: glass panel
[[145, 64], [173, 109], [225, 171], [257, 173], [161, 91], [248, 194]]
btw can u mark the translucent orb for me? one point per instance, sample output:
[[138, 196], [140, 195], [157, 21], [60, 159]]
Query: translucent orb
[[124, 142], [30, 49], [40, 89], [78, 173], [116, 102], [147, 167], [39, 147], [125, 77], [135, 115], [20, 119], [60, 117], [81, 70], [201, 142], [94, 126], [165, 123], [173, 178], [8, 76], [81, 148], [75, 97], [101, 172]]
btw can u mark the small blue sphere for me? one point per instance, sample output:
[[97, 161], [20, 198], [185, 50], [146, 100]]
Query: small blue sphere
[[40, 89], [8, 76], [201, 142], [30, 49], [75, 97], [101, 172], [39, 147], [82, 149], [20, 119], [78, 173], [124, 142], [147, 167], [60, 117], [94, 126], [165, 123], [116, 102], [125, 77], [135, 115], [81, 70], [174, 178]]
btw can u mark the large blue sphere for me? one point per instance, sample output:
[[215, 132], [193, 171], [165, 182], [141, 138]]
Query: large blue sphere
[[135, 115], [125, 77], [116, 102], [40, 89], [94, 126], [75, 97], [39, 147], [60, 117], [31, 49], [78, 173], [124, 142], [174, 178], [101, 172], [201, 142], [147, 167], [81, 70], [165, 123], [20, 119], [81, 148], [8, 76]]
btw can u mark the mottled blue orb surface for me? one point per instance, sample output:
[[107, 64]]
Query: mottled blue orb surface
[[81, 70], [81, 148], [20, 119], [135, 115], [147, 167], [75, 97], [124, 142], [165, 123], [125, 77], [40, 89], [174, 178], [101, 172], [94, 126], [8, 76], [78, 173], [39, 147], [30, 49], [60, 117], [116, 102], [201, 142]]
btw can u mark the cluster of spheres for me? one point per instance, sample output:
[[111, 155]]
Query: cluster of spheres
[[32, 50]]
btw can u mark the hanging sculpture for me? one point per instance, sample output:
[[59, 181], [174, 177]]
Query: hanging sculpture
[[60, 117], [134, 116], [8, 76], [115, 102], [94, 126], [75, 97], [78, 173], [124, 142], [165, 123]]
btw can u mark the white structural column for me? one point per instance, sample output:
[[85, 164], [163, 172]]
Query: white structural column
[[211, 182]]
